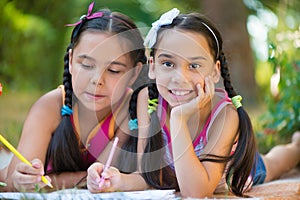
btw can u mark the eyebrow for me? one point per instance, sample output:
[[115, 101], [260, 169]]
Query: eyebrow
[[118, 63], [190, 58], [197, 58], [165, 55], [84, 56]]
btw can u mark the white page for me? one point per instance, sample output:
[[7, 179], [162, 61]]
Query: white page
[[85, 195]]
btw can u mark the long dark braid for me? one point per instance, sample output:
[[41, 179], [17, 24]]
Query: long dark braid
[[62, 142], [155, 169], [129, 149], [244, 155]]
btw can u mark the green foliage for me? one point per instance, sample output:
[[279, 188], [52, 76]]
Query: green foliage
[[32, 43], [283, 116]]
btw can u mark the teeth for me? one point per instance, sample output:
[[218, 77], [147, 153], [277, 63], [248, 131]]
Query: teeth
[[180, 93]]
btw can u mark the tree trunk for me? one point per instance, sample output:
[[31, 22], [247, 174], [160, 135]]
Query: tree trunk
[[230, 17]]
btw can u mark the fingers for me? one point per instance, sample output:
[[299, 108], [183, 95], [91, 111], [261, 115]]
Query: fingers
[[93, 177], [110, 172], [36, 168], [209, 86], [25, 177], [205, 94], [100, 181]]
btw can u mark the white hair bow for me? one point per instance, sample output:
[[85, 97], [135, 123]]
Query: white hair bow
[[165, 19]]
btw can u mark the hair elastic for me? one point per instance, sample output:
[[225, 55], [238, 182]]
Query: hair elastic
[[133, 124], [66, 110], [236, 101], [152, 105]]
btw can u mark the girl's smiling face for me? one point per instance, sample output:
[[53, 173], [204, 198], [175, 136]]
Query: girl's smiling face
[[182, 59], [101, 69]]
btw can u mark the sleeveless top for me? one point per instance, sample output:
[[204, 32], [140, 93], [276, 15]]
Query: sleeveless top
[[100, 135], [201, 140]]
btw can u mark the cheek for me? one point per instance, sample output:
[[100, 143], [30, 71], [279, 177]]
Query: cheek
[[198, 78], [118, 86]]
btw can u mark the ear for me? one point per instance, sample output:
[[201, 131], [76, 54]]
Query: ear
[[136, 71], [151, 73], [216, 73], [70, 60]]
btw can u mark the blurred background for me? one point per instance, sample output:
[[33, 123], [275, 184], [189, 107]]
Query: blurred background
[[261, 42]]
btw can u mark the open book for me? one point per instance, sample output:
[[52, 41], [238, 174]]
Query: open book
[[79, 194]]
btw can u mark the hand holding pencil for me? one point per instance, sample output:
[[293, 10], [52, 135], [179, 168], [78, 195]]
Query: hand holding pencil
[[104, 178], [22, 158]]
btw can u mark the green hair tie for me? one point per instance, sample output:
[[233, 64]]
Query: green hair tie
[[236, 101], [152, 105]]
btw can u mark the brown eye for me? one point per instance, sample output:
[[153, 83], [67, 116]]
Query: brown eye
[[194, 66], [168, 64]]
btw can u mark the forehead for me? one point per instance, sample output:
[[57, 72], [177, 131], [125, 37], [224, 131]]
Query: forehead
[[183, 43], [100, 45]]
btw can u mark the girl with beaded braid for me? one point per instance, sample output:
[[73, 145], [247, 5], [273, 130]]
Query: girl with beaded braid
[[194, 137], [71, 127]]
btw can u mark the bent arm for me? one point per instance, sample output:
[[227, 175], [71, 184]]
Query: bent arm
[[195, 178], [39, 125]]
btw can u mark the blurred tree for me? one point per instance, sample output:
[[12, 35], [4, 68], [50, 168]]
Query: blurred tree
[[32, 40], [283, 38], [231, 18]]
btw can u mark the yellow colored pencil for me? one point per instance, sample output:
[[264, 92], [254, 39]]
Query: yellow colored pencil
[[22, 158]]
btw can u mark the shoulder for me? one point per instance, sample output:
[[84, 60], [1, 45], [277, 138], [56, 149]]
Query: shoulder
[[142, 100], [223, 131], [42, 120], [47, 107], [52, 99]]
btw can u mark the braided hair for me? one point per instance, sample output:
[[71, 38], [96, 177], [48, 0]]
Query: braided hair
[[243, 158], [65, 149]]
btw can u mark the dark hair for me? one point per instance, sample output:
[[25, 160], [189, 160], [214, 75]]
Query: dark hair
[[65, 149], [243, 158]]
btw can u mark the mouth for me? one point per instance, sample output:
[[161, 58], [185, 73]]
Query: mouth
[[181, 92], [94, 96]]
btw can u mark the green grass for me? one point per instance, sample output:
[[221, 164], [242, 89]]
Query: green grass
[[14, 107]]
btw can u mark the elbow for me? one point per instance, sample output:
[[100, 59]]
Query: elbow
[[196, 192]]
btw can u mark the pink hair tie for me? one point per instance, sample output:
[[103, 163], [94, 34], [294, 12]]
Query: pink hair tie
[[89, 15]]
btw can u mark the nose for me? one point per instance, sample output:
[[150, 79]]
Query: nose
[[181, 75], [98, 77]]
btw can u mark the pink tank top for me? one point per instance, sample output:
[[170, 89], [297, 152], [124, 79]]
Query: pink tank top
[[99, 137]]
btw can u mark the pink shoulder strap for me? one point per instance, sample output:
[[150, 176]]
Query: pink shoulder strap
[[216, 110]]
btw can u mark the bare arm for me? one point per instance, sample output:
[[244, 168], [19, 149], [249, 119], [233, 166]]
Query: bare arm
[[143, 123], [195, 178], [39, 125]]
